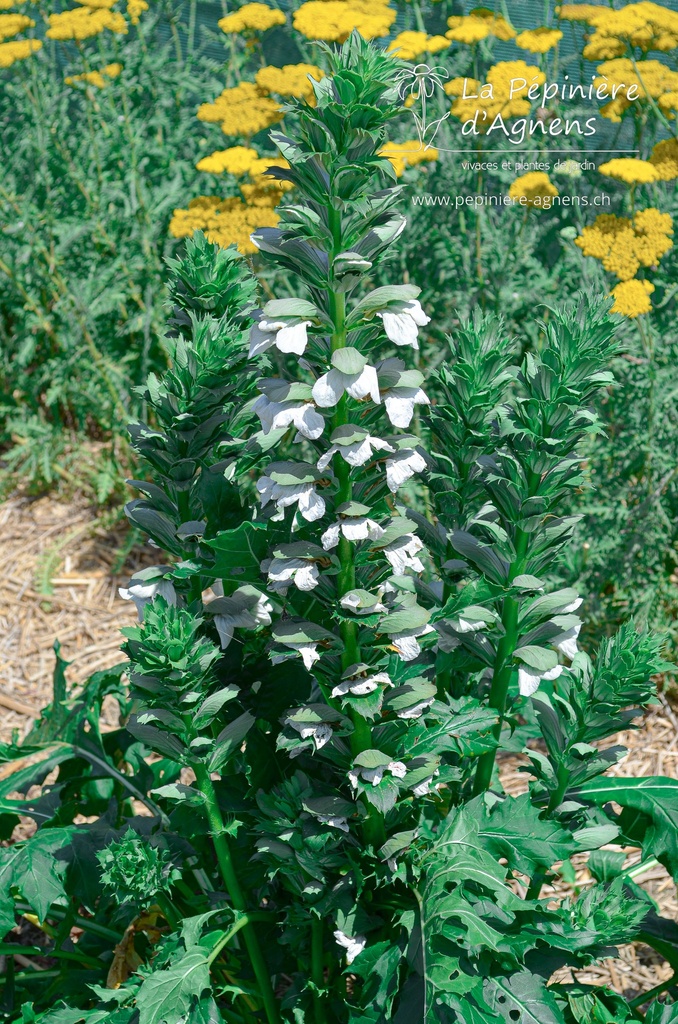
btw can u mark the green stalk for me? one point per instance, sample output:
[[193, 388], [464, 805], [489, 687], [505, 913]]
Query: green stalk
[[230, 878], [503, 667], [361, 737], [317, 972]]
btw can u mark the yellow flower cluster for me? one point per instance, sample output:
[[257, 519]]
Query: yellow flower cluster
[[539, 40], [631, 298], [479, 24], [96, 78], [624, 246], [407, 154], [651, 79], [409, 45], [135, 8], [17, 49], [84, 22], [224, 221], [334, 20], [243, 110], [534, 189], [645, 25], [252, 18], [500, 101], [12, 24], [630, 170], [240, 160], [290, 80], [664, 159]]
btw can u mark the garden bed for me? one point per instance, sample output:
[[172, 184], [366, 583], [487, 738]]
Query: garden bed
[[62, 570]]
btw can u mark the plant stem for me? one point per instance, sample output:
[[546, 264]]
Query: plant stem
[[361, 738], [503, 667], [232, 884], [317, 972]]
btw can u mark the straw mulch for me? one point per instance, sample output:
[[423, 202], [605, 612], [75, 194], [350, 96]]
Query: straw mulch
[[60, 579], [57, 583]]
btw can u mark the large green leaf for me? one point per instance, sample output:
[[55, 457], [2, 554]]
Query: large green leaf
[[167, 997], [515, 830], [655, 801], [33, 869], [522, 998], [238, 553]]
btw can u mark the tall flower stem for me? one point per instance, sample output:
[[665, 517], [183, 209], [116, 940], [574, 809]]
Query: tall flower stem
[[230, 878], [361, 738], [317, 971], [503, 666]]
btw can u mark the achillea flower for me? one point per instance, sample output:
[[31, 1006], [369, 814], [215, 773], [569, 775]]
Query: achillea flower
[[632, 298], [290, 80], [253, 17], [630, 170], [243, 110], [407, 154], [135, 8], [12, 24], [17, 49], [664, 159], [409, 45], [236, 160], [224, 221], [334, 20], [655, 80], [95, 78], [645, 25], [533, 189], [479, 24], [83, 23], [539, 40], [501, 101], [623, 246]]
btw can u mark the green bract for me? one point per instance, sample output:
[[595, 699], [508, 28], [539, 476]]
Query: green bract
[[359, 609]]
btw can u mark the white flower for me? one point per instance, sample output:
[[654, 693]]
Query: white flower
[[424, 787], [276, 415], [357, 453], [402, 467], [355, 602], [529, 678], [300, 571], [142, 593], [360, 687], [416, 711], [375, 775], [319, 732], [402, 554], [286, 337], [403, 328], [352, 945], [244, 609], [353, 529], [567, 642], [406, 644], [400, 402], [333, 821], [329, 388], [311, 505]]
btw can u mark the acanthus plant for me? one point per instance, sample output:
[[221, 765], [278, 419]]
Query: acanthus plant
[[299, 818]]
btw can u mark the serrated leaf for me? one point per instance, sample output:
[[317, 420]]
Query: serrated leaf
[[522, 998], [166, 997]]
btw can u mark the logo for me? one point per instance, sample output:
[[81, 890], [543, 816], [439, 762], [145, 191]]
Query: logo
[[420, 83]]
